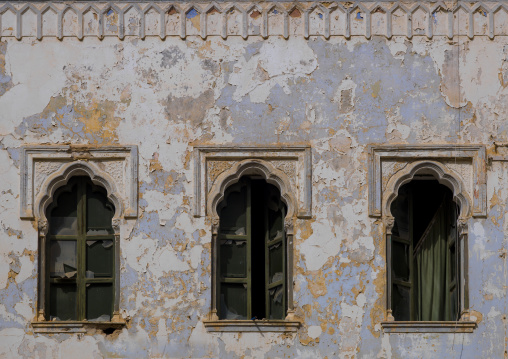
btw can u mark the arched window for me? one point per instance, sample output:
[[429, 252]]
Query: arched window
[[252, 280], [425, 263], [80, 254]]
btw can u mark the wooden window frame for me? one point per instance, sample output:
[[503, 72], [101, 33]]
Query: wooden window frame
[[41, 324], [250, 265], [80, 238], [460, 195], [278, 178]]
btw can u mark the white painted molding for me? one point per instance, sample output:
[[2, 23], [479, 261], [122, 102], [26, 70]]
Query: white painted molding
[[45, 168], [288, 167], [461, 167], [143, 19]]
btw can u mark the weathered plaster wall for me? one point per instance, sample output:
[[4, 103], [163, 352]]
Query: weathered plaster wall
[[336, 95]]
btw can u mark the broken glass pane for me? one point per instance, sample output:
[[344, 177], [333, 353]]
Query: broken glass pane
[[64, 225], [233, 301], [62, 304], [240, 231], [233, 214], [99, 300], [63, 217], [99, 257], [276, 260], [62, 263], [277, 302], [275, 224], [99, 211], [233, 258]]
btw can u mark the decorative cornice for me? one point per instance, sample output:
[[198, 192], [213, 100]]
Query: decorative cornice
[[250, 18]]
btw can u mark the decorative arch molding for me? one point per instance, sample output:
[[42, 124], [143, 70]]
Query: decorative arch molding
[[252, 167], [45, 169], [287, 167], [62, 177], [443, 175], [460, 168]]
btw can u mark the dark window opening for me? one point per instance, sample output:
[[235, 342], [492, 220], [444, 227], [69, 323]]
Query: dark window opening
[[252, 250], [424, 262], [80, 253]]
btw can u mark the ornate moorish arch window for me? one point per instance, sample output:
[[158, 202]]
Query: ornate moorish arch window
[[79, 198], [252, 205], [79, 251], [425, 206]]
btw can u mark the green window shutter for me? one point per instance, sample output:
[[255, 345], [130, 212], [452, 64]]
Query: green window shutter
[[234, 253], [81, 242], [402, 259], [275, 255], [401, 278], [452, 265], [251, 275]]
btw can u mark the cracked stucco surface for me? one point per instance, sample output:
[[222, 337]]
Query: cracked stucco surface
[[337, 96]]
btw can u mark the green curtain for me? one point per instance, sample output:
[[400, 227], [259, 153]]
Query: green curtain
[[433, 269]]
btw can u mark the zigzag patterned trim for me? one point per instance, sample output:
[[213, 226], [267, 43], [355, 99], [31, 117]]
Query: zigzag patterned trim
[[285, 19]]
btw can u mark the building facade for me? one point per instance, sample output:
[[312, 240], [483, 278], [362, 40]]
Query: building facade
[[254, 179]]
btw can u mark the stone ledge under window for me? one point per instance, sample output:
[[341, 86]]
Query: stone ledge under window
[[428, 327], [252, 325], [73, 326]]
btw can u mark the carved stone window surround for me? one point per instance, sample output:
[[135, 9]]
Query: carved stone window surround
[[40, 164], [44, 169], [462, 168], [288, 168], [212, 161], [469, 159]]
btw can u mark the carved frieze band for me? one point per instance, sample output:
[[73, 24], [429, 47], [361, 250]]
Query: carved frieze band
[[466, 162], [294, 161], [43, 166], [243, 18]]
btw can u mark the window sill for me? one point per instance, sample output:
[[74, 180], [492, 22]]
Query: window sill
[[252, 325], [55, 327], [428, 327]]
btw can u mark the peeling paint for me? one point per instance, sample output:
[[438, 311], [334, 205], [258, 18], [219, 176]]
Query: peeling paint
[[336, 95]]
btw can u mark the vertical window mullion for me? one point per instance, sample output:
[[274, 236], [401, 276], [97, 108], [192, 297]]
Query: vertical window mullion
[[267, 254], [47, 278], [249, 248], [284, 271], [81, 249], [412, 273]]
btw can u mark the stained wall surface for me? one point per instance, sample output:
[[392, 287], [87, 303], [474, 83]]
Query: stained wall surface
[[337, 94]]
